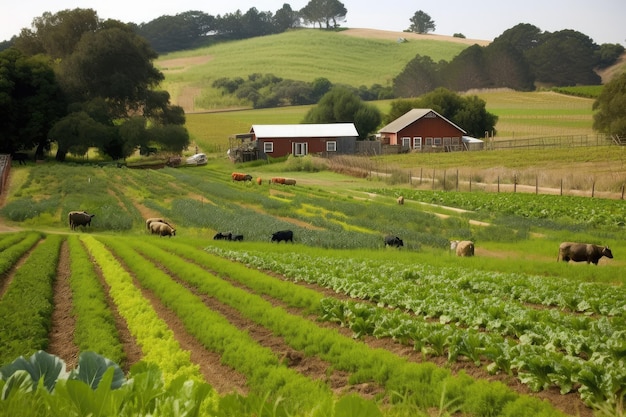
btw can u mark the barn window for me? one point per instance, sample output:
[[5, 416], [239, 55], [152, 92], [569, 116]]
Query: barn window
[[417, 142], [437, 141], [331, 146], [406, 142], [300, 149], [268, 147], [429, 142]]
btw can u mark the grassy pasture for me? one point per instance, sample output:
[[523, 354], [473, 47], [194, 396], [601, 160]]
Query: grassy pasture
[[304, 54]]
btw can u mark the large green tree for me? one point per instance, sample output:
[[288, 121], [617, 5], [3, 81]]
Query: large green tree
[[421, 23], [174, 33], [419, 76], [610, 117], [342, 105], [31, 101], [323, 12]]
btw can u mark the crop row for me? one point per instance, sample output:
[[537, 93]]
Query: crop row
[[27, 304], [468, 306], [365, 365]]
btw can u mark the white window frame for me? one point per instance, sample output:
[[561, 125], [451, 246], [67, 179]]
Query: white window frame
[[417, 142], [268, 147], [437, 142], [300, 148], [429, 142], [406, 141], [331, 146]]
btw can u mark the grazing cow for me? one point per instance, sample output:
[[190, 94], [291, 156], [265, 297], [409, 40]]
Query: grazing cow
[[286, 235], [278, 180], [259, 181], [289, 181], [155, 219], [223, 236], [79, 218], [401, 200], [237, 238], [393, 241], [579, 252], [238, 176], [162, 229], [462, 247]]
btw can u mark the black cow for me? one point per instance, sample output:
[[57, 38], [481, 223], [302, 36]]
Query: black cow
[[393, 241], [79, 218], [223, 236], [579, 252], [237, 238], [286, 235], [21, 157]]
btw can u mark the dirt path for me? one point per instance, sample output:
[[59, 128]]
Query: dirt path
[[61, 336]]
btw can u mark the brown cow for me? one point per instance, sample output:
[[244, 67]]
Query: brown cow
[[238, 176], [579, 252]]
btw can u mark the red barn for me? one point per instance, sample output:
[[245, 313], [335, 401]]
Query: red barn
[[303, 139], [423, 129]]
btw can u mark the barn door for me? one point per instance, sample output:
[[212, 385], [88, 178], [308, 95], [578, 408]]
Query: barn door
[[300, 148]]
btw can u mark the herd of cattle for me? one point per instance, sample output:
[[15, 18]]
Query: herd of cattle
[[238, 176], [568, 251]]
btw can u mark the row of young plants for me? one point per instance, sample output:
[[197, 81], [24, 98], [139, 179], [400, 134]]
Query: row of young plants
[[567, 210], [26, 306], [156, 339], [580, 346], [95, 328], [421, 382]]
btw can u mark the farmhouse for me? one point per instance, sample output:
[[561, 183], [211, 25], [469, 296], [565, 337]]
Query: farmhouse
[[274, 141], [423, 130]]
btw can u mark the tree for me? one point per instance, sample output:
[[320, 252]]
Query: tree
[[174, 33], [523, 37], [341, 105], [610, 117], [57, 34], [323, 12], [31, 101], [286, 18], [467, 70], [421, 23], [507, 67], [420, 76], [565, 58], [115, 64]]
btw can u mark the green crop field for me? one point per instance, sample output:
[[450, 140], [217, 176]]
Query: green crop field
[[402, 329]]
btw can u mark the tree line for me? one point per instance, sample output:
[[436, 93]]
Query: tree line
[[82, 82]]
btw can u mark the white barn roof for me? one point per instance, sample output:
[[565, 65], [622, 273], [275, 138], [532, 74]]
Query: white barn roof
[[316, 130], [410, 117]]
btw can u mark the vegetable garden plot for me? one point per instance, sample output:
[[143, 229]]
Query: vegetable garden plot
[[543, 347]]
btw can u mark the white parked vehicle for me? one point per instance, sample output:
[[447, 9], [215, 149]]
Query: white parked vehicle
[[197, 159]]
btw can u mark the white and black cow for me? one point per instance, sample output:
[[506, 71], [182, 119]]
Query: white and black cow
[[393, 241], [79, 218], [286, 235], [583, 252]]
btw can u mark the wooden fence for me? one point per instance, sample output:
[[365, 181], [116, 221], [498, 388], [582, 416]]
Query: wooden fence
[[5, 169], [569, 141]]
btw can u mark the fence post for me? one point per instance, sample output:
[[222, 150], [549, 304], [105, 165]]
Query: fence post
[[593, 188], [561, 186], [622, 191], [498, 183], [421, 169], [444, 180], [515, 183], [410, 178], [457, 180], [536, 184], [470, 183]]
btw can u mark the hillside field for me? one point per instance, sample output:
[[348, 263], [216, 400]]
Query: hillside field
[[335, 311]]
